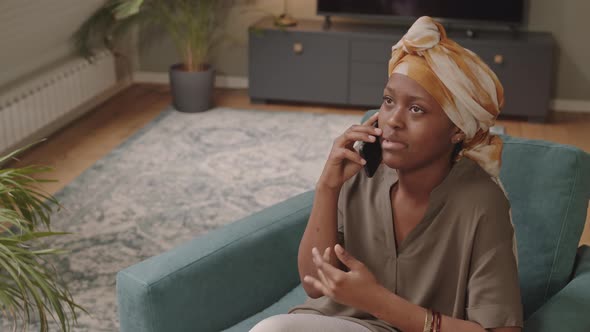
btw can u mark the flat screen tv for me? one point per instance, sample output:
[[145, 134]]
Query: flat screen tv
[[509, 12]]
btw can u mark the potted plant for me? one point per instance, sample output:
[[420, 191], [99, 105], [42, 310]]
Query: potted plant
[[193, 25], [30, 289]]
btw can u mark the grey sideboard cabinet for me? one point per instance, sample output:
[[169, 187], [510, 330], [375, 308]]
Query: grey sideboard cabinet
[[346, 64]]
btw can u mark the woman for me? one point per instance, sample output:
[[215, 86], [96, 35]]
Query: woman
[[429, 240]]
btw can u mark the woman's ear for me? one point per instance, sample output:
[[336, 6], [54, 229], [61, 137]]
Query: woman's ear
[[458, 136]]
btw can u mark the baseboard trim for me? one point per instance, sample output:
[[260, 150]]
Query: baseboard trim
[[571, 105], [221, 81], [231, 82]]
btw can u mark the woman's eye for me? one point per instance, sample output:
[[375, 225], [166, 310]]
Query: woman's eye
[[387, 100], [416, 109]]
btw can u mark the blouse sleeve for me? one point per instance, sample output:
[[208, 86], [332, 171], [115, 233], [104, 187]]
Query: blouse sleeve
[[493, 290]]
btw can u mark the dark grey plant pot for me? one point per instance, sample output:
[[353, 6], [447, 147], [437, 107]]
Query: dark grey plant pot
[[191, 91]]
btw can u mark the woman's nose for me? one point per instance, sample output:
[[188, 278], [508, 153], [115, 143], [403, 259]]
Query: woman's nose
[[396, 118]]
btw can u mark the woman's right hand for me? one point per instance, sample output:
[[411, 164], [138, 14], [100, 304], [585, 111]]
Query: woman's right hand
[[344, 161]]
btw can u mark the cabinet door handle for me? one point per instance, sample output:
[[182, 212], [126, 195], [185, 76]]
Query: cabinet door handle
[[298, 48], [498, 59]]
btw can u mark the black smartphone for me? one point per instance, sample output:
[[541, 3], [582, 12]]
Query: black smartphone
[[371, 152]]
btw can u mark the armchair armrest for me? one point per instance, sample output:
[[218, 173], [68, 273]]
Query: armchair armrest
[[216, 280], [568, 309]]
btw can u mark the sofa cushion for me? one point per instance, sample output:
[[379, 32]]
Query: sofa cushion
[[293, 298]]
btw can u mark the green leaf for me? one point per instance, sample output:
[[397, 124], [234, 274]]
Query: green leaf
[[126, 8], [28, 288], [96, 30], [191, 24], [17, 152]]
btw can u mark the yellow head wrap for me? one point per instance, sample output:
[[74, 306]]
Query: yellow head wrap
[[464, 86]]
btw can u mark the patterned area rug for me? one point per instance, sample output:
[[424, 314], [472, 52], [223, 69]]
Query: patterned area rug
[[180, 176]]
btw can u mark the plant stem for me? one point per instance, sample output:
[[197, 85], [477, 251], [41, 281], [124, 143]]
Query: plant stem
[[189, 58]]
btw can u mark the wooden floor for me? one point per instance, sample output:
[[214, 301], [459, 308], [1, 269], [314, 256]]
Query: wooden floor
[[82, 143]]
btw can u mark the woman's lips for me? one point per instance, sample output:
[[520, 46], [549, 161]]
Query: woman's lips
[[392, 145]]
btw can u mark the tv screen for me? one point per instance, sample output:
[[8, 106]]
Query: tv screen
[[497, 11]]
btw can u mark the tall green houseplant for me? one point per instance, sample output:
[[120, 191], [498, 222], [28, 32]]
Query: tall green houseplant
[[30, 290], [193, 25]]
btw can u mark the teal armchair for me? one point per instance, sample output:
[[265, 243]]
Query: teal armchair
[[234, 276]]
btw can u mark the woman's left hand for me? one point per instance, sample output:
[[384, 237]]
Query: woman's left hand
[[355, 288]]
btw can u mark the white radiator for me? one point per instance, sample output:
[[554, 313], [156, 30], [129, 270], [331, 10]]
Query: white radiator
[[33, 105]]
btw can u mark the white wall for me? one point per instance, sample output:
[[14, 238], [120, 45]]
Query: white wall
[[35, 34]]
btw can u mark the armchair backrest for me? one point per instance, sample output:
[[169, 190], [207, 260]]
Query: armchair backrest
[[548, 186]]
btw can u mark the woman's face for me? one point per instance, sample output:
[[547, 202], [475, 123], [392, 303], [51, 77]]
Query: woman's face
[[416, 130]]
